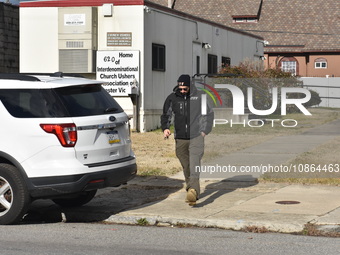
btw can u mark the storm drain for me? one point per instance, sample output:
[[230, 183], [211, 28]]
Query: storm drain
[[287, 202]]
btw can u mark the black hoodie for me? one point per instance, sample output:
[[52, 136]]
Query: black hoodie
[[187, 109]]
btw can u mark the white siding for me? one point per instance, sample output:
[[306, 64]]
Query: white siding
[[124, 19], [39, 40]]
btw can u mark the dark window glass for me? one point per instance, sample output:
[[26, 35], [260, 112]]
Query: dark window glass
[[88, 100], [212, 64], [226, 61], [32, 103], [62, 102], [158, 57], [198, 64]]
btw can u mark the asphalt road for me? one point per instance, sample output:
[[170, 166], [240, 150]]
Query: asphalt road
[[88, 238]]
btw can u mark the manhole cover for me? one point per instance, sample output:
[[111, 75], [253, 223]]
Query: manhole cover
[[287, 202]]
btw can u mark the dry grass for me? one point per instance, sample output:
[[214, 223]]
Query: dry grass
[[320, 166], [324, 154], [221, 144], [156, 156]]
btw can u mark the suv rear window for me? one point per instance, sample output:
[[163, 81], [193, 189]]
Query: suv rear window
[[74, 101]]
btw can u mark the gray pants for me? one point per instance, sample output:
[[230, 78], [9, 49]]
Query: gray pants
[[190, 153]]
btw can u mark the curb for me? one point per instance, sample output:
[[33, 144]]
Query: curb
[[257, 226]]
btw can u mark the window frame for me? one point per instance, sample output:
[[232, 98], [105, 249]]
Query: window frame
[[226, 61], [245, 19], [212, 64], [285, 69], [158, 57], [320, 61], [290, 59]]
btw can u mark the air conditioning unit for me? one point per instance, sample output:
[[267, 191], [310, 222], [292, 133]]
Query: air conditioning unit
[[77, 37]]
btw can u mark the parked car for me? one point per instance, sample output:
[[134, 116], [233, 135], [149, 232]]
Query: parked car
[[62, 138]]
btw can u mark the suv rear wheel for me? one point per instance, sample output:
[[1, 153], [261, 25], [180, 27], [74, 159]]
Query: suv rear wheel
[[14, 198], [76, 200]]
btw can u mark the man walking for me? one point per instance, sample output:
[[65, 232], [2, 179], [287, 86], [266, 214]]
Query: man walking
[[191, 126]]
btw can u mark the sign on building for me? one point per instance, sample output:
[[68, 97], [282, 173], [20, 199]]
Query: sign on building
[[120, 69], [74, 19], [119, 39]]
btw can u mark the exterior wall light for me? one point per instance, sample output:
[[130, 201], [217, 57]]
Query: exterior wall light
[[206, 46], [265, 43], [147, 9]]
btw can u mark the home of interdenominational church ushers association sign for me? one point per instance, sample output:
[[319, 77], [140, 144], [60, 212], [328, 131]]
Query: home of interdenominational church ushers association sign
[[119, 70]]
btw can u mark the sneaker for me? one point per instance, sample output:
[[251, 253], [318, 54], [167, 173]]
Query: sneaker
[[191, 197]]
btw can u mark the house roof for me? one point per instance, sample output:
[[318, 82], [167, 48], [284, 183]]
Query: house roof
[[245, 8], [289, 26], [76, 3], [162, 5]]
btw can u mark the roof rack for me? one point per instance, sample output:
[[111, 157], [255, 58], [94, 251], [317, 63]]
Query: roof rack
[[17, 76], [61, 74], [31, 76]]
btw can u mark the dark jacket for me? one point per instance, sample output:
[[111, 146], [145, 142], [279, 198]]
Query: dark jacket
[[187, 110]]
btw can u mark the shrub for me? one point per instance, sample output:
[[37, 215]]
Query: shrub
[[252, 74]]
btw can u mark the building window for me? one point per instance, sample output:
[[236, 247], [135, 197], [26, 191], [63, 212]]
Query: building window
[[212, 63], [158, 57], [225, 61], [245, 19], [198, 65], [290, 65], [320, 63]]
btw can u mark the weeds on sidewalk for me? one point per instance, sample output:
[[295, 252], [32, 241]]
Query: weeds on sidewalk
[[143, 222], [312, 230], [255, 229]]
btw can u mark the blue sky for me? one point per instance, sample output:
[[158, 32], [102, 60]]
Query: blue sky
[[16, 2]]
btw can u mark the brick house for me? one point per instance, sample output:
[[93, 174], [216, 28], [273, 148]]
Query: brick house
[[302, 37]]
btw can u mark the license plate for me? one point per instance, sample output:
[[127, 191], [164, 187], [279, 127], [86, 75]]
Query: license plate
[[113, 137]]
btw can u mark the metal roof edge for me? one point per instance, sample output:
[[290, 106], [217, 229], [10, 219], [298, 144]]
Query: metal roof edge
[[316, 51], [77, 3]]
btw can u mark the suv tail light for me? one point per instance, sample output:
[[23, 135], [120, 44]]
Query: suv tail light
[[66, 133]]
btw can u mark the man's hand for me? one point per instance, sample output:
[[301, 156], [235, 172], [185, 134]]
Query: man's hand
[[166, 133], [203, 134]]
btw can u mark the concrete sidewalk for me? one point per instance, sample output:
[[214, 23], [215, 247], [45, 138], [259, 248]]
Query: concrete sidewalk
[[235, 200], [241, 205]]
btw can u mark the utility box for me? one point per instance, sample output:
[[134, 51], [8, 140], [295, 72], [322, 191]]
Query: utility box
[[77, 39]]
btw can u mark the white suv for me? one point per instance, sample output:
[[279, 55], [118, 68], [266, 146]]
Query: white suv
[[62, 138]]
